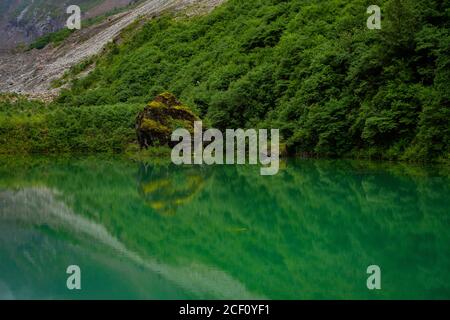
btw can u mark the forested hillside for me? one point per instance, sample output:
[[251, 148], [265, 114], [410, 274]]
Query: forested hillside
[[309, 67]]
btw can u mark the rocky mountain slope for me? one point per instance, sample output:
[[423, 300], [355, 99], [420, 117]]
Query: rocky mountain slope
[[22, 21], [32, 72]]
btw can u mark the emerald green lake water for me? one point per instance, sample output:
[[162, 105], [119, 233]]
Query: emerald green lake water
[[156, 231]]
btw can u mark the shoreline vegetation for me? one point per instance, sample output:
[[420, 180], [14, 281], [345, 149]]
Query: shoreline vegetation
[[311, 69], [30, 127]]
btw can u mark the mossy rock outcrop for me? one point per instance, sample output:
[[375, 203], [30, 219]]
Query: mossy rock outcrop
[[155, 124]]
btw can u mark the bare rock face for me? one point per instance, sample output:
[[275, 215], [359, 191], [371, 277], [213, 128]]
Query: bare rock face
[[23, 21], [32, 72], [155, 124]]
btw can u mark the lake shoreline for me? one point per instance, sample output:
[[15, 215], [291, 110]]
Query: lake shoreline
[[163, 153]]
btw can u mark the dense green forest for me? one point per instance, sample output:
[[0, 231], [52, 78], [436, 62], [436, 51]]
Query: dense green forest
[[32, 127], [310, 68]]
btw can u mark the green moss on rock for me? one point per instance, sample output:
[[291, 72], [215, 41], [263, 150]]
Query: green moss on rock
[[155, 124]]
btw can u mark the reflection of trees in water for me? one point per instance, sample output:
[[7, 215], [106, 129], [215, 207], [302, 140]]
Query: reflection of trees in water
[[308, 232], [166, 187], [315, 227]]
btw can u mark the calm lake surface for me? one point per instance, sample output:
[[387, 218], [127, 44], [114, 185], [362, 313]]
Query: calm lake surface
[[156, 231]]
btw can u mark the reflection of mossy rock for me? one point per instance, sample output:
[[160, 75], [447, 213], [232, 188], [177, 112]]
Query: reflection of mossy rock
[[164, 189], [155, 124]]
